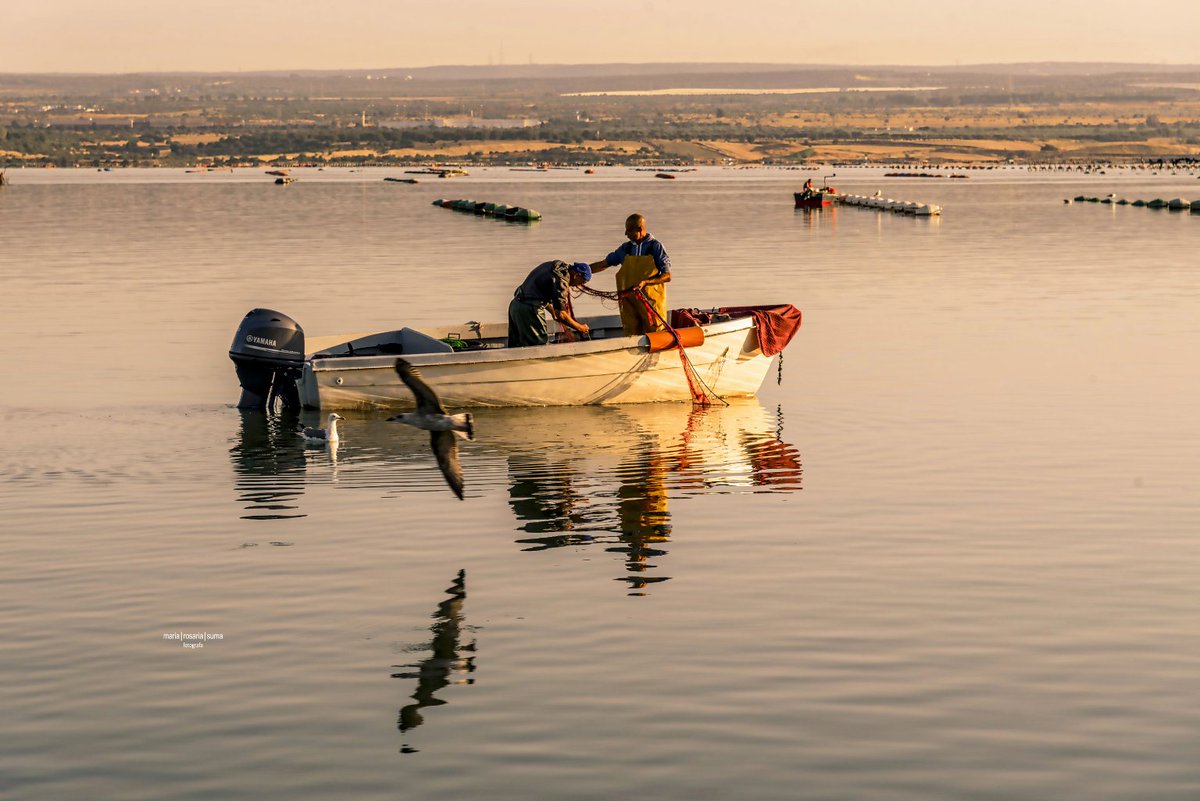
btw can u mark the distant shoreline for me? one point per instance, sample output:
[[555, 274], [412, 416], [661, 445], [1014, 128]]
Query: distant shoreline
[[654, 153], [899, 169], [616, 114], [716, 91]]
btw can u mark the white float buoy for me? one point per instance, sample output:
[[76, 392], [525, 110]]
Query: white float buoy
[[877, 201]]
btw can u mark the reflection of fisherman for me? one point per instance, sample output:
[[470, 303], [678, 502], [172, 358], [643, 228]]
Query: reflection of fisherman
[[544, 498], [645, 266], [642, 507], [549, 499], [546, 286]]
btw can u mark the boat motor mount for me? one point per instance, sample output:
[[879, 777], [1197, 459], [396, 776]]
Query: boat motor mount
[[268, 354]]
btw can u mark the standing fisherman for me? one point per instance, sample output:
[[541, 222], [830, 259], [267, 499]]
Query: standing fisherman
[[646, 266]]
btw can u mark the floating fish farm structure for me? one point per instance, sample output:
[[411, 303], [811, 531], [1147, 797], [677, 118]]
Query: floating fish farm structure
[[887, 204], [498, 210], [1174, 204]]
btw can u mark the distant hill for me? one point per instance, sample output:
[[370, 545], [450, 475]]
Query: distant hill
[[603, 70], [531, 80], [453, 72]]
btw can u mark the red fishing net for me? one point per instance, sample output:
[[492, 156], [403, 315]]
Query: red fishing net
[[700, 392]]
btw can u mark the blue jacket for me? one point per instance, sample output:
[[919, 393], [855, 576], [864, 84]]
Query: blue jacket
[[647, 247]]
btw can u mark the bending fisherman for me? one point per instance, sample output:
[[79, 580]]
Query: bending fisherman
[[546, 287]]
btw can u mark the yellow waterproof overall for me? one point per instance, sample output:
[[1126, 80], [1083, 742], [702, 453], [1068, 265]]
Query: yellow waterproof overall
[[634, 318]]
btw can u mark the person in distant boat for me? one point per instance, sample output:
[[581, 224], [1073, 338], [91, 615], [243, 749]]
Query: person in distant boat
[[546, 287], [645, 266], [808, 188]]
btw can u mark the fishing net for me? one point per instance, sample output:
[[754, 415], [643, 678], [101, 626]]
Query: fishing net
[[702, 395]]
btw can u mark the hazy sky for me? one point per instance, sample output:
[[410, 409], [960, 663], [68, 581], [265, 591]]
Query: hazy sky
[[138, 35]]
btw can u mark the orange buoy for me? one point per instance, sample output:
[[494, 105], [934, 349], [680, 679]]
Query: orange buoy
[[688, 337]]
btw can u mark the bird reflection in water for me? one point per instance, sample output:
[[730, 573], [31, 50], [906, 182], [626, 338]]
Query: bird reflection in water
[[268, 464], [446, 663], [582, 498]]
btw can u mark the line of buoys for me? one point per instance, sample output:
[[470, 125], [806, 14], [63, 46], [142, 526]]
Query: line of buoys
[[887, 204], [500, 210], [1174, 204]]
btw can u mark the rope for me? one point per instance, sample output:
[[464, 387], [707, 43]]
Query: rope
[[600, 293], [701, 392]]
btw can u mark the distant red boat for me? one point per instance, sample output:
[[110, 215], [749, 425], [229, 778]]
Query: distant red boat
[[816, 198], [824, 196]]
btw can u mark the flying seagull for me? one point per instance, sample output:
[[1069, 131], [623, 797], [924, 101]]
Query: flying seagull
[[443, 428], [323, 435]]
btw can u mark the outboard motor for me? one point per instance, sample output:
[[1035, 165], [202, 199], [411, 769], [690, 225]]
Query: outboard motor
[[268, 354]]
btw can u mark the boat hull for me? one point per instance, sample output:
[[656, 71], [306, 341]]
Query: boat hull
[[609, 371], [813, 201]]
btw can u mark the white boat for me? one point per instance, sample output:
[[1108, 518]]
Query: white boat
[[469, 365]]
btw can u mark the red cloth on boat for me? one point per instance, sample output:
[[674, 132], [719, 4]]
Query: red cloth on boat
[[685, 318], [776, 324]]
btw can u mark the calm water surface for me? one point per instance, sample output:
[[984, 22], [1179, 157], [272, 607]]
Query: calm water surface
[[951, 554]]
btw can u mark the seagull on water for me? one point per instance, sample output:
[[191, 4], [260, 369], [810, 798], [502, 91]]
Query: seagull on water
[[443, 428], [328, 436]]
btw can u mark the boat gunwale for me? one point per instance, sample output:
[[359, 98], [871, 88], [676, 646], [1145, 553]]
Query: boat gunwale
[[531, 353]]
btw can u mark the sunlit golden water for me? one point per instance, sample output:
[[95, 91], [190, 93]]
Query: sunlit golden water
[[952, 554]]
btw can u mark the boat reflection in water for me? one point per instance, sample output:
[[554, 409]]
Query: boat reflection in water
[[565, 506], [603, 476], [613, 472], [574, 475], [445, 664], [269, 465]]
